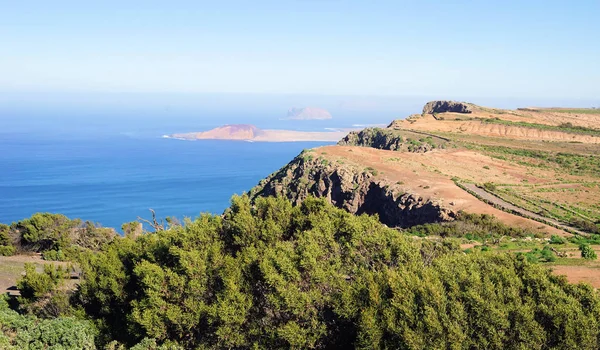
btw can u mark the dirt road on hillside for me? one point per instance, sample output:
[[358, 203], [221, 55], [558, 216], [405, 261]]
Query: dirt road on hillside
[[502, 203]]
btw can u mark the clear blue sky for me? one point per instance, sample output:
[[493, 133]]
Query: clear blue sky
[[520, 49]]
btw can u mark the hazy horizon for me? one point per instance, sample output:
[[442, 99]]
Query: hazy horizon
[[476, 51]]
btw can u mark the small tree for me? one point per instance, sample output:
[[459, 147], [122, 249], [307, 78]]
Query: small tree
[[587, 252]]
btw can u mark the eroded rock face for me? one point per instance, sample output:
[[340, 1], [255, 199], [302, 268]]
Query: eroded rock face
[[393, 140], [355, 190], [446, 106], [374, 137]]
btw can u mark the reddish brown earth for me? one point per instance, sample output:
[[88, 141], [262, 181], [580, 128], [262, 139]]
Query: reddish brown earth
[[578, 274], [246, 132]]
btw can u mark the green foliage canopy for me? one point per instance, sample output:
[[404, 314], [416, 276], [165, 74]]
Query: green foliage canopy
[[313, 276]]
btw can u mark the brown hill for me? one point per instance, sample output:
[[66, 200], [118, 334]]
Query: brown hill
[[248, 132], [535, 168]]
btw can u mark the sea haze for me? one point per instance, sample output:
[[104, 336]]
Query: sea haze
[[111, 168]]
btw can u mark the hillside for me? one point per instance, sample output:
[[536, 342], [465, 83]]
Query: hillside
[[426, 234], [533, 168]]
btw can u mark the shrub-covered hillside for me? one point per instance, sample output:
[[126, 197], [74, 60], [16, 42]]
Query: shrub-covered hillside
[[312, 276]]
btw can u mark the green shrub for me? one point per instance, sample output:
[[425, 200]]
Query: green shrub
[[7, 250], [54, 255], [541, 255], [489, 186], [554, 239], [587, 252], [43, 231], [471, 226], [28, 332], [314, 276], [34, 285], [6, 246]]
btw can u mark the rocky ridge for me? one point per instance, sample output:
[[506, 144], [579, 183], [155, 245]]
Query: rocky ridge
[[446, 106], [352, 188], [393, 140]]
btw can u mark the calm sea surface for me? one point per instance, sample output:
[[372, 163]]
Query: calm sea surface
[[110, 168], [115, 179]]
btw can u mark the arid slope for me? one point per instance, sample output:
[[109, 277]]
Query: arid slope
[[533, 168]]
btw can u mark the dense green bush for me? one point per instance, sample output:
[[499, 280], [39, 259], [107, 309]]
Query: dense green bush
[[54, 255], [471, 226], [19, 332], [42, 293], [313, 276], [56, 236], [43, 231], [541, 255], [587, 252], [6, 246]]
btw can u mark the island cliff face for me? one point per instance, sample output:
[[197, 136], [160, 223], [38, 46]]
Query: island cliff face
[[226, 132], [246, 132], [308, 113], [352, 188]]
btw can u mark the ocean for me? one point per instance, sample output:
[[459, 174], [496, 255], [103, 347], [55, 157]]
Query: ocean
[[112, 170]]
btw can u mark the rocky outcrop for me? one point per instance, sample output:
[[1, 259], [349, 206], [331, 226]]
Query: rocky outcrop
[[374, 137], [308, 113], [351, 188], [393, 140], [446, 106]]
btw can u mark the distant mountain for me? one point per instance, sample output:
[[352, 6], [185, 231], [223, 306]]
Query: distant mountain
[[308, 113]]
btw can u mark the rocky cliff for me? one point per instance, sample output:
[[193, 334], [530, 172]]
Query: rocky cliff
[[393, 140], [352, 188], [446, 106]]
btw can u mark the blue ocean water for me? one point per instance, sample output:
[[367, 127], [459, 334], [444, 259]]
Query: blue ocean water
[[110, 165], [116, 179]]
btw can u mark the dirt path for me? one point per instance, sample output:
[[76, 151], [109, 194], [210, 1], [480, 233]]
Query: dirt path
[[498, 201]]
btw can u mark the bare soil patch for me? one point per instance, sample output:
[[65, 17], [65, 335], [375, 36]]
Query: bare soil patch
[[13, 267]]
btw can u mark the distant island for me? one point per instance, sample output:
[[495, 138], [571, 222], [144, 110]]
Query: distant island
[[247, 132], [308, 113]]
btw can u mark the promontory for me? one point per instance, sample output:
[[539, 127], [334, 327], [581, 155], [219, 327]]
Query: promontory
[[247, 132]]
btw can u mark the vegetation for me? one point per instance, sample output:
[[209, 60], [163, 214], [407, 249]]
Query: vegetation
[[470, 226], [6, 246], [54, 235], [277, 276], [572, 163], [587, 252], [29, 332], [554, 239], [540, 255], [272, 275], [565, 127], [574, 110], [395, 140]]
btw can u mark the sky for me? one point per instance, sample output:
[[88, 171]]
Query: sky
[[460, 49]]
